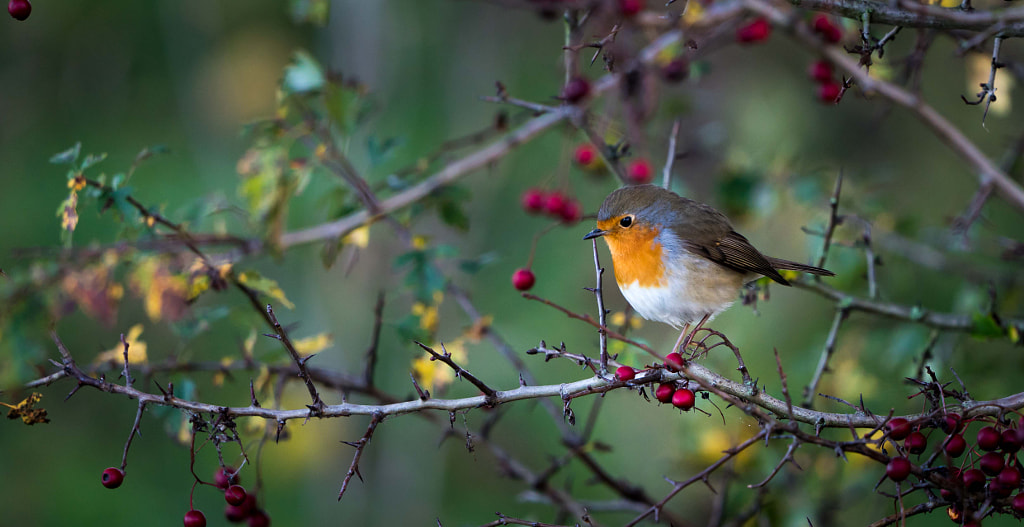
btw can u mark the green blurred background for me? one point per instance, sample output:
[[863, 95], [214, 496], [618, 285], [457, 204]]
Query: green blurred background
[[122, 75]]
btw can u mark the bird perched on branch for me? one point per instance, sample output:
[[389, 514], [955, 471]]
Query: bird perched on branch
[[679, 261]]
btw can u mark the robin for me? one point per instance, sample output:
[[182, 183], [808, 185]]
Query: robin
[[677, 260]]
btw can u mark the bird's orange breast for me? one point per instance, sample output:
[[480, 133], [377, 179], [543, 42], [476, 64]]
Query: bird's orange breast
[[636, 255]]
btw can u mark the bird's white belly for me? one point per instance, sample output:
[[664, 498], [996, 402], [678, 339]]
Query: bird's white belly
[[694, 287]]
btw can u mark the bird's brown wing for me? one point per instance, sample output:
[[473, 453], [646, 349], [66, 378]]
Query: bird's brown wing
[[734, 251]]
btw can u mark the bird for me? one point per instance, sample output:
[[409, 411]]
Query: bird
[[678, 260]]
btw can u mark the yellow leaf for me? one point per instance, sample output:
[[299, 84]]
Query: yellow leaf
[[694, 13], [311, 345], [25, 411], [419, 242], [249, 344], [264, 285], [137, 350], [479, 328], [359, 237], [198, 286]]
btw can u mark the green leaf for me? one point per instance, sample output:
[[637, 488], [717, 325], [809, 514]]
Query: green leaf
[[452, 214], [984, 325], [90, 160], [379, 151], [303, 75], [474, 265], [310, 11], [67, 157]]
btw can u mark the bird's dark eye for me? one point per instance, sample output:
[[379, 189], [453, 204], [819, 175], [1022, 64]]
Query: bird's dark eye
[[626, 221]]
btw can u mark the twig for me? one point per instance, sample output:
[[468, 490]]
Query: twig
[[360, 446], [666, 177], [460, 372], [785, 386], [778, 466], [126, 372], [132, 434], [602, 313], [826, 354], [987, 94], [371, 352], [834, 220], [317, 408]]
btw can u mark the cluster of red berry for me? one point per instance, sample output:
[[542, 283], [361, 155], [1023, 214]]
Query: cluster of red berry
[[19, 9], [667, 392], [241, 506], [828, 87], [828, 30], [554, 203], [982, 478]]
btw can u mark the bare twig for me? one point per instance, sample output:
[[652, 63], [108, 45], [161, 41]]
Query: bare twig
[[460, 372], [602, 313], [360, 446], [316, 409], [666, 177], [826, 354]]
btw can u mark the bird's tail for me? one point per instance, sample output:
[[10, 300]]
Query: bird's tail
[[779, 263]]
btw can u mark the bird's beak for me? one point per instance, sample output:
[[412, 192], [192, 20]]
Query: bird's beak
[[594, 234]]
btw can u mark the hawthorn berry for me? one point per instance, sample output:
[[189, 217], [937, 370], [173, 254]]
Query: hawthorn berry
[[676, 69], [576, 90], [898, 469], [194, 518], [585, 155], [757, 30], [915, 443], [956, 445], [631, 7], [1008, 441], [991, 463], [640, 171], [951, 423], [533, 200], [996, 488], [19, 9], [829, 91], [663, 393], [1018, 503], [235, 495], [112, 478], [820, 71], [683, 399], [555, 202], [898, 428], [571, 212], [625, 373], [523, 279], [259, 519], [823, 26], [238, 513], [222, 477], [974, 479], [1009, 477], [674, 361], [988, 438]]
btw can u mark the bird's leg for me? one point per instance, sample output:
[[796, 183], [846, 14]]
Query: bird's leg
[[696, 328], [686, 329]]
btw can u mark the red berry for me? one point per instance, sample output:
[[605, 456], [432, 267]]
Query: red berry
[[533, 200], [664, 392], [576, 90], [756, 31], [555, 203], [820, 71], [1009, 477], [683, 399], [1018, 503], [235, 495], [974, 479], [674, 361], [828, 30], [585, 155], [676, 70], [238, 513], [640, 171], [898, 427], [956, 445], [988, 438], [259, 519], [631, 7], [915, 443], [991, 463], [1008, 441], [898, 469], [571, 212], [112, 478], [523, 279], [625, 373], [996, 488], [829, 91], [222, 478], [19, 9], [1020, 431], [194, 518], [947, 494], [951, 423]]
